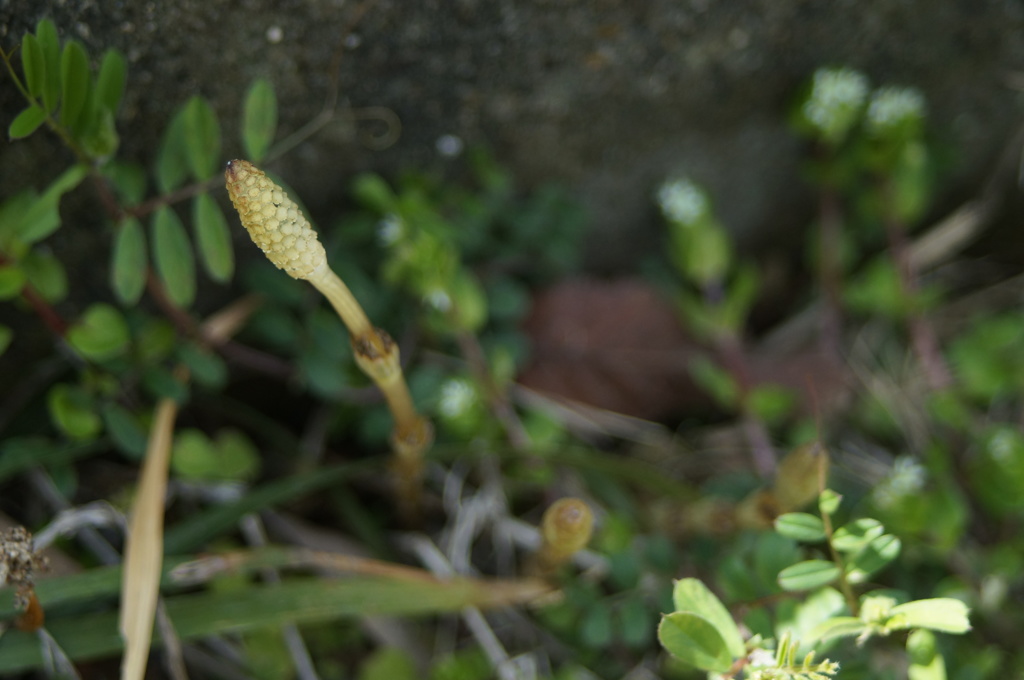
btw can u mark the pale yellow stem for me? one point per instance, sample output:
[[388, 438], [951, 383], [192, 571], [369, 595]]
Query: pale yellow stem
[[341, 298]]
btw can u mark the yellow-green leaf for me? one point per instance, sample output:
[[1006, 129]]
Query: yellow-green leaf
[[213, 238], [259, 119], [693, 639], [75, 82], [691, 595], [808, 575], [72, 410], [173, 256], [128, 269], [944, 614], [800, 526], [101, 334], [12, 279]]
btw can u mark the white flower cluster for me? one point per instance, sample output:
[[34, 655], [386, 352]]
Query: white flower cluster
[[906, 477], [836, 98], [893, 106], [457, 396], [683, 201]]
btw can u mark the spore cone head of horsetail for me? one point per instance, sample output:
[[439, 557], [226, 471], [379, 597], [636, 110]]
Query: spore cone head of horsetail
[[274, 221]]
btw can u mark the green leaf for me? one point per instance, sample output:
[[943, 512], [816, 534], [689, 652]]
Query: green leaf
[[73, 412], [693, 639], [373, 192], [716, 380], [943, 614], [259, 119], [98, 133], [193, 456], [43, 218], [801, 526], [124, 428], [172, 157], [857, 534], [75, 82], [33, 63], [839, 626], [810, 612], [173, 256], [207, 368], [26, 122], [469, 302], [808, 575], [46, 274], [771, 403], [12, 280], [111, 80], [202, 138], [46, 33], [237, 457], [215, 612], [129, 180], [691, 595], [828, 502], [213, 238], [926, 662], [101, 334], [388, 663], [162, 384], [6, 336], [875, 555], [12, 212], [128, 269]]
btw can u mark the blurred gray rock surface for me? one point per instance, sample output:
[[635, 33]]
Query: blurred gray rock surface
[[605, 96]]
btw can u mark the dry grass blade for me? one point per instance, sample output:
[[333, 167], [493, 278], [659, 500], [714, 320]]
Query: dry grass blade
[[144, 546]]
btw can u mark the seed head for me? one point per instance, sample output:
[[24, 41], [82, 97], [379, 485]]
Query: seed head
[[273, 220]]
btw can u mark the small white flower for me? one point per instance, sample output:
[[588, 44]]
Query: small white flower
[[449, 146], [1002, 446], [389, 230], [906, 477], [457, 396], [683, 201], [892, 106], [837, 96], [439, 300], [762, 658]]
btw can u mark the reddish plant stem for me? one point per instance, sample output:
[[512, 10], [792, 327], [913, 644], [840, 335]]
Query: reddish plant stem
[[43, 309], [182, 320], [184, 193], [922, 335], [830, 269]]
